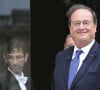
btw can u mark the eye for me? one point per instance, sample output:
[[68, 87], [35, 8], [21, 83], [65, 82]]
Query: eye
[[9, 57], [77, 23], [19, 57], [86, 23]]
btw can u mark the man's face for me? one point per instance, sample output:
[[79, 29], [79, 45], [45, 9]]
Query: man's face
[[15, 60], [82, 27]]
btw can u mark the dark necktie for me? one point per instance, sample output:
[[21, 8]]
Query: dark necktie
[[73, 68]]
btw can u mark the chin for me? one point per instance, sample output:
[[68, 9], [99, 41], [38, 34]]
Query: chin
[[83, 40], [83, 37]]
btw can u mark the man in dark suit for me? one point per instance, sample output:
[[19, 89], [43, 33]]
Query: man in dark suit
[[16, 56], [82, 23]]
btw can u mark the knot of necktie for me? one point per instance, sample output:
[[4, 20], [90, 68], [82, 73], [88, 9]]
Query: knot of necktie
[[78, 52]]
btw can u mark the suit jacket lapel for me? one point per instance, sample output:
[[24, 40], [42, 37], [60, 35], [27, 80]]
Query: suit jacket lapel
[[28, 84], [67, 61], [12, 82], [86, 64]]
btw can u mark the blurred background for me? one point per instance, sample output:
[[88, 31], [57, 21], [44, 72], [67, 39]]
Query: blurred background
[[15, 20]]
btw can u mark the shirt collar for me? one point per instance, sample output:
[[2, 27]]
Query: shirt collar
[[84, 49], [21, 77]]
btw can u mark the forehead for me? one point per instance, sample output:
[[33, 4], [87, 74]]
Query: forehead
[[81, 14], [16, 50]]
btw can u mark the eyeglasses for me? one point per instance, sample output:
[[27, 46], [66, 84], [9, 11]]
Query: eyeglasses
[[18, 57], [78, 23]]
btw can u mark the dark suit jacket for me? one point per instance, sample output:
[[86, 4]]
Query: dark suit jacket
[[8, 82], [87, 78]]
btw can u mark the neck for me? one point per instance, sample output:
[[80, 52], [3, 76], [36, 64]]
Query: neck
[[15, 72], [82, 44], [18, 73]]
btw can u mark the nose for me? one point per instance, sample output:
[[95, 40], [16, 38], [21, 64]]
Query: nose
[[14, 61], [81, 26]]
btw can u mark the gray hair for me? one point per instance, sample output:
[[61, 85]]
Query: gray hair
[[80, 6]]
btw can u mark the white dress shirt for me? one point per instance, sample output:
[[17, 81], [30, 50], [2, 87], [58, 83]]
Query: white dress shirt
[[21, 79], [85, 50]]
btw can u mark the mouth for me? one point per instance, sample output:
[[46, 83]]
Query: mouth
[[82, 33]]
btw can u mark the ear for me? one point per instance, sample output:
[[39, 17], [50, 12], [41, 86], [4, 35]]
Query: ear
[[96, 27], [5, 59], [26, 57]]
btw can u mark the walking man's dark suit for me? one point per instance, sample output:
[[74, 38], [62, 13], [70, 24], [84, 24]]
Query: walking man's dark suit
[[9, 82], [88, 75]]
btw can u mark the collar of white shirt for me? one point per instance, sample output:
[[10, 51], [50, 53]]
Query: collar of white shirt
[[85, 49], [21, 78]]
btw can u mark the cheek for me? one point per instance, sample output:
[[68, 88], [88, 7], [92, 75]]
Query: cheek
[[10, 63], [72, 29], [21, 62], [92, 30]]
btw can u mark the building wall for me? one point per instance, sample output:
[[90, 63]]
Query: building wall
[[6, 6]]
